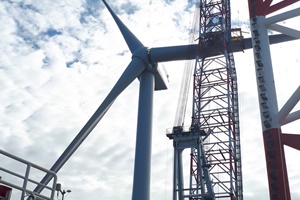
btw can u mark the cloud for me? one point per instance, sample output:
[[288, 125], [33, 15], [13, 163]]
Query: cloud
[[60, 59]]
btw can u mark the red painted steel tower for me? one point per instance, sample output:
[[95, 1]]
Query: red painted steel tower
[[214, 135], [272, 118], [215, 102]]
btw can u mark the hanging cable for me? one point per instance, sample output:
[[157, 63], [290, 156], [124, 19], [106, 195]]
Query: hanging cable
[[187, 74]]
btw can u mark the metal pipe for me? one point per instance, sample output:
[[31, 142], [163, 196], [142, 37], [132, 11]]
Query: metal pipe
[[285, 30], [282, 17], [288, 106]]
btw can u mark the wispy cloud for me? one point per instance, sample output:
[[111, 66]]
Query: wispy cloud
[[60, 59]]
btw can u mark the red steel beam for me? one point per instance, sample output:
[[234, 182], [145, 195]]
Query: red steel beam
[[291, 140], [276, 165], [263, 8]]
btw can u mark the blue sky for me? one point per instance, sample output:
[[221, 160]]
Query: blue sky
[[60, 59]]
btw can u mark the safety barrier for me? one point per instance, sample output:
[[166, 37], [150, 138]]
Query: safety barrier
[[8, 174]]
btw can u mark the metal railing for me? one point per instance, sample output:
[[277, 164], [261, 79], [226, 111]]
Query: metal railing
[[26, 193]]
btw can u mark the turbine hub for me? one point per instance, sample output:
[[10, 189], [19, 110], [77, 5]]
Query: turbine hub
[[143, 53]]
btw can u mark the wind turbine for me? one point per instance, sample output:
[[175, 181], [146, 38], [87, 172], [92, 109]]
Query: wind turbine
[[144, 66]]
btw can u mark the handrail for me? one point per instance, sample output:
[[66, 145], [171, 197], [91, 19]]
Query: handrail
[[26, 178]]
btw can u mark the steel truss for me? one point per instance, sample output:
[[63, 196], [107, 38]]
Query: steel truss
[[272, 119], [215, 105]]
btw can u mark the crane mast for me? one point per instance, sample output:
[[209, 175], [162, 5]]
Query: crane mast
[[214, 136], [215, 102]]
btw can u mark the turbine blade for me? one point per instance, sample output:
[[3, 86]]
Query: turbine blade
[[273, 39], [132, 42], [189, 52], [165, 54], [134, 69]]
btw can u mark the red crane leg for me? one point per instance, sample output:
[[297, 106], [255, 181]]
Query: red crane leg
[[276, 165]]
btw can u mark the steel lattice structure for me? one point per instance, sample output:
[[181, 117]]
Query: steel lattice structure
[[215, 102], [273, 118], [214, 136]]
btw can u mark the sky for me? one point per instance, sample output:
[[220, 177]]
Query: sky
[[60, 58]]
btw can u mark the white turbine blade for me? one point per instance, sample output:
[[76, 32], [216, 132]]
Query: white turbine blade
[[132, 42], [273, 39], [134, 69], [189, 52], [165, 54]]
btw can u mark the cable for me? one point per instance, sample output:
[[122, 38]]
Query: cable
[[187, 75]]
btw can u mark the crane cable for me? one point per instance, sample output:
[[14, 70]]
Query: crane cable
[[187, 73]]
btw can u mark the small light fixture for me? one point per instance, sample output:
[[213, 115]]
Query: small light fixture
[[63, 192]]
